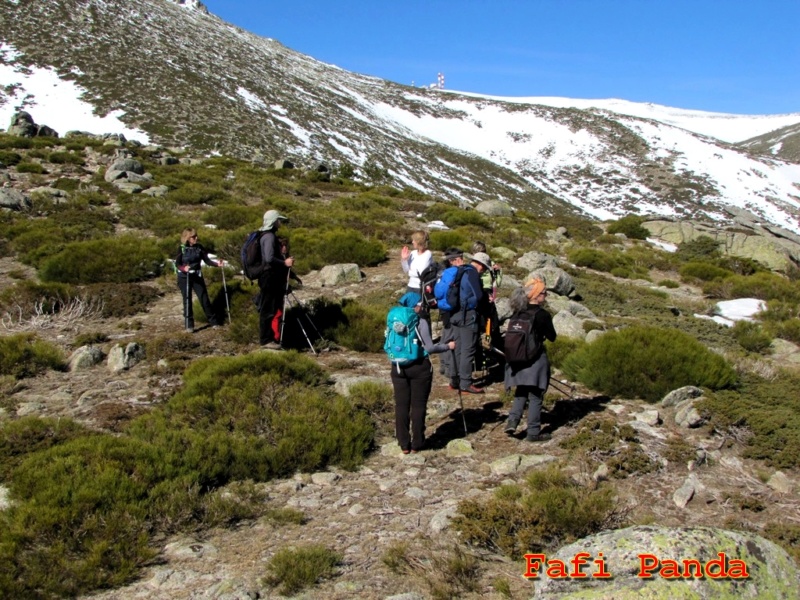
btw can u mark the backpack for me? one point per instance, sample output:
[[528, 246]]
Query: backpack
[[521, 344], [251, 255], [402, 344], [427, 282], [448, 289]]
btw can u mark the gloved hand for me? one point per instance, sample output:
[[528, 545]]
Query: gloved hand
[[222, 263]]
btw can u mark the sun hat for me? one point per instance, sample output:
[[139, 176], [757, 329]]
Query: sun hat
[[537, 287], [482, 258], [270, 218], [409, 299]]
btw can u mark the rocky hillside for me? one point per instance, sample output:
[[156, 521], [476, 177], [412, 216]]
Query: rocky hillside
[[680, 462], [186, 78]]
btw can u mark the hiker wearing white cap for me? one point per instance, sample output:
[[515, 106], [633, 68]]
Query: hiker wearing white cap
[[273, 279]]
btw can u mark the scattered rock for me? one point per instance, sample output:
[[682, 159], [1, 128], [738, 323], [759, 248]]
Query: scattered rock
[[459, 448], [780, 483], [681, 394], [85, 357], [325, 478], [686, 492]]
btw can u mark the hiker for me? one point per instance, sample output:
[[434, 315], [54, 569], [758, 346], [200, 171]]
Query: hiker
[[463, 318], [489, 321], [532, 378], [190, 277], [417, 260], [272, 281], [412, 383]]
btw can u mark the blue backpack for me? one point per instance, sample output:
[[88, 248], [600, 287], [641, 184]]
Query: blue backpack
[[448, 289], [402, 344]]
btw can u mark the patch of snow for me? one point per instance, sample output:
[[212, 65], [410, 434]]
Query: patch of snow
[[663, 245], [741, 309], [253, 101]]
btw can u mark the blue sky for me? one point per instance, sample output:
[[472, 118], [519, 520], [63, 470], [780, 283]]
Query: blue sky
[[735, 56]]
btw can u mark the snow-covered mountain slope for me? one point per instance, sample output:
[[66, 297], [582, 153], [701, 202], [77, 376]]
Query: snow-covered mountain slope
[[184, 77]]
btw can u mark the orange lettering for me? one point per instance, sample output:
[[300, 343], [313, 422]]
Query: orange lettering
[[670, 569], [556, 569], [601, 567], [578, 561], [687, 568], [532, 564], [740, 567], [720, 564], [647, 564]]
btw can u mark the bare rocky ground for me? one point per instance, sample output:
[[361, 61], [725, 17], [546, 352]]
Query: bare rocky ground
[[392, 498]]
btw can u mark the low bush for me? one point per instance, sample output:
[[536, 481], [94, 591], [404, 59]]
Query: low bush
[[598, 260], [122, 259], [9, 158], [25, 299], [121, 299], [351, 324], [632, 460], [762, 285], [751, 336], [631, 226], [647, 362], [768, 410], [442, 240], [314, 250], [26, 435], [70, 158], [703, 271], [703, 248], [24, 355], [30, 167], [546, 512], [194, 193], [294, 569], [599, 435]]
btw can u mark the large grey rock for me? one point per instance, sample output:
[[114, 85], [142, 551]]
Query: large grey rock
[[121, 359], [22, 125], [536, 260], [459, 448], [282, 163], [558, 303], [127, 164], [568, 325], [772, 572], [495, 208], [687, 416], [85, 357], [775, 252], [556, 279], [333, 275], [14, 199], [681, 394]]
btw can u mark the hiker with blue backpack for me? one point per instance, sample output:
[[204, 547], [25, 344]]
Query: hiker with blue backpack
[[458, 293], [408, 345], [527, 365], [190, 277]]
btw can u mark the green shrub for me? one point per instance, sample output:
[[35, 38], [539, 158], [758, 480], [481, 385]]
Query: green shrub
[[315, 249], [30, 167], [702, 248], [24, 355], [442, 240], [89, 339], [122, 259], [294, 569], [631, 461], [9, 158], [27, 435], [594, 259], [159, 215], [647, 362], [350, 324], [121, 299], [26, 299], [232, 216], [631, 226], [193, 193], [65, 158], [762, 285], [599, 435], [550, 510], [703, 271], [669, 283], [787, 330], [768, 410], [751, 336]]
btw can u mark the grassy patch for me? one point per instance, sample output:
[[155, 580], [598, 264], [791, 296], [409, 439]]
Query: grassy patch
[[294, 569], [24, 355]]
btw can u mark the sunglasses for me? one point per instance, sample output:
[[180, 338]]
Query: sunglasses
[[192, 237]]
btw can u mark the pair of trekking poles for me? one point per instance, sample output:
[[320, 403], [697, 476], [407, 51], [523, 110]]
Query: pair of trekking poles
[[289, 297], [188, 296]]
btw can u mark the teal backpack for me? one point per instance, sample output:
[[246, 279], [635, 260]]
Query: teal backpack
[[402, 344]]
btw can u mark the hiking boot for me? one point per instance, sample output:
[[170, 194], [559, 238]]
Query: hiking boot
[[271, 346], [190, 330], [542, 437], [472, 390], [511, 426]]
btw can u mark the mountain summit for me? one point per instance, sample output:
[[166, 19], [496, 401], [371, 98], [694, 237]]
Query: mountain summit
[[185, 77]]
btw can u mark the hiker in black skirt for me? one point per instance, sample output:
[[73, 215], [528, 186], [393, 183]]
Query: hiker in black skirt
[[190, 277]]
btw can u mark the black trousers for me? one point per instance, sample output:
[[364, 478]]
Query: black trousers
[[197, 284], [271, 295], [412, 386]]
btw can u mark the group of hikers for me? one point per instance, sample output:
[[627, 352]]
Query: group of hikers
[[463, 289], [464, 292]]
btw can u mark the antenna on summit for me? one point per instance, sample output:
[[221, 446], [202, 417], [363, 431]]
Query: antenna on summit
[[440, 81]]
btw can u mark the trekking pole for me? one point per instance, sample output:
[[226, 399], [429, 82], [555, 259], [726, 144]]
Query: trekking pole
[[561, 385], [460, 399], [283, 313], [225, 291], [187, 305]]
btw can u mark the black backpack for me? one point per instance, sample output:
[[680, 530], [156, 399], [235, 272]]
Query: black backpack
[[427, 281], [522, 345], [251, 255]]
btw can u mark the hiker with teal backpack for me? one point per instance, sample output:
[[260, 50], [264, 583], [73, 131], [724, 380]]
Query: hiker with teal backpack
[[190, 277], [527, 365], [408, 345]]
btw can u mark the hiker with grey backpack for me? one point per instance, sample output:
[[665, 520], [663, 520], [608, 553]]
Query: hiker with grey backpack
[[408, 344], [527, 365], [190, 277]]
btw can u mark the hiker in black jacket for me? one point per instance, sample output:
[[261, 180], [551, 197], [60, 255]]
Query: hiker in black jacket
[[465, 323], [190, 277], [272, 281], [532, 379]]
